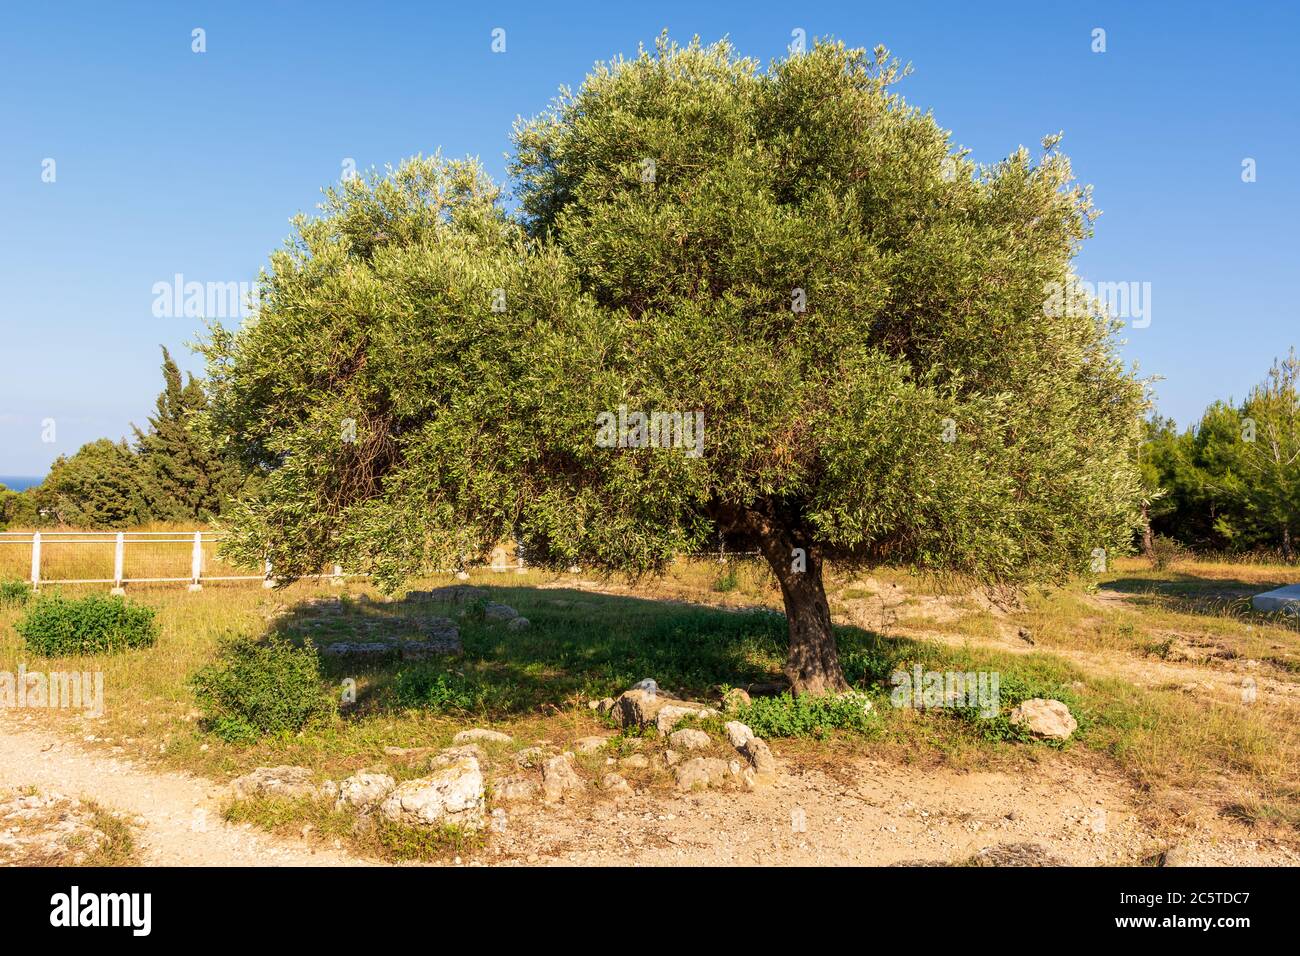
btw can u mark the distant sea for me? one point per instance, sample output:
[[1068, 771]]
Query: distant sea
[[20, 482]]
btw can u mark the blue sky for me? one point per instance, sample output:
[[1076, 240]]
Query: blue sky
[[169, 161]]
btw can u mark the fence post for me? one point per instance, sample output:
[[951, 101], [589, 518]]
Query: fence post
[[119, 554], [268, 581], [337, 579], [196, 563], [36, 561]]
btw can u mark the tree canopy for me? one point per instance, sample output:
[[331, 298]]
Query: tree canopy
[[1232, 481], [182, 478], [792, 257]]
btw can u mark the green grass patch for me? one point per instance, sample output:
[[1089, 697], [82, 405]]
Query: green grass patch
[[788, 716], [14, 593], [370, 835]]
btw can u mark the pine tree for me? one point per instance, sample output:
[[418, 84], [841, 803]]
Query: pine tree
[[183, 479], [1270, 453]]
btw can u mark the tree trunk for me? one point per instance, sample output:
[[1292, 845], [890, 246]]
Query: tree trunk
[[1148, 540], [813, 664], [1288, 552]]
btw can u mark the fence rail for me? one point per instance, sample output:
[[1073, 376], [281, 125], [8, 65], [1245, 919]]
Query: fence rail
[[119, 558]]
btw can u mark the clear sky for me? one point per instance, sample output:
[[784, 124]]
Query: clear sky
[[168, 161]]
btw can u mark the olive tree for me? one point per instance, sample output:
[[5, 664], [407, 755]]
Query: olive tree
[[775, 308]]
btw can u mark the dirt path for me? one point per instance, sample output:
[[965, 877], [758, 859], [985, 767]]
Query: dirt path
[[872, 813], [862, 812], [178, 816]]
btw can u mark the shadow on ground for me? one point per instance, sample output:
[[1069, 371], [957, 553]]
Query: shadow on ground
[[578, 645], [1192, 594]]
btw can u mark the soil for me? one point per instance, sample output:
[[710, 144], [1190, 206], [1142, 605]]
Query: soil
[[867, 812]]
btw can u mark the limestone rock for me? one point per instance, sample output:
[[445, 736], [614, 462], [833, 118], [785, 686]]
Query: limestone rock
[[738, 734], [359, 649], [615, 783], [480, 734], [1045, 718], [287, 782], [456, 594], [450, 796], [518, 624], [423, 650], [702, 772], [530, 757], [689, 739], [438, 635], [735, 699], [447, 757], [558, 778], [365, 789], [635, 762], [515, 788], [589, 745], [645, 708], [500, 612], [759, 755], [671, 715], [636, 708]]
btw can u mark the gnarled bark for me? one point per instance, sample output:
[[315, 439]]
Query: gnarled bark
[[813, 663]]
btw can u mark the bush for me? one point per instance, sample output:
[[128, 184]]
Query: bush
[[727, 581], [14, 593], [1165, 552], [809, 716], [256, 688], [55, 625]]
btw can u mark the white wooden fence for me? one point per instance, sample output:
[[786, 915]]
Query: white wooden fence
[[119, 558]]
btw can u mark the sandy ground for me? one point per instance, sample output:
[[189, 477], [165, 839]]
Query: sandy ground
[[864, 813], [177, 816], [875, 814]]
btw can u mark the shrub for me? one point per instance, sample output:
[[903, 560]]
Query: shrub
[[809, 715], [14, 593], [97, 624], [1165, 552], [727, 581], [256, 688]]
